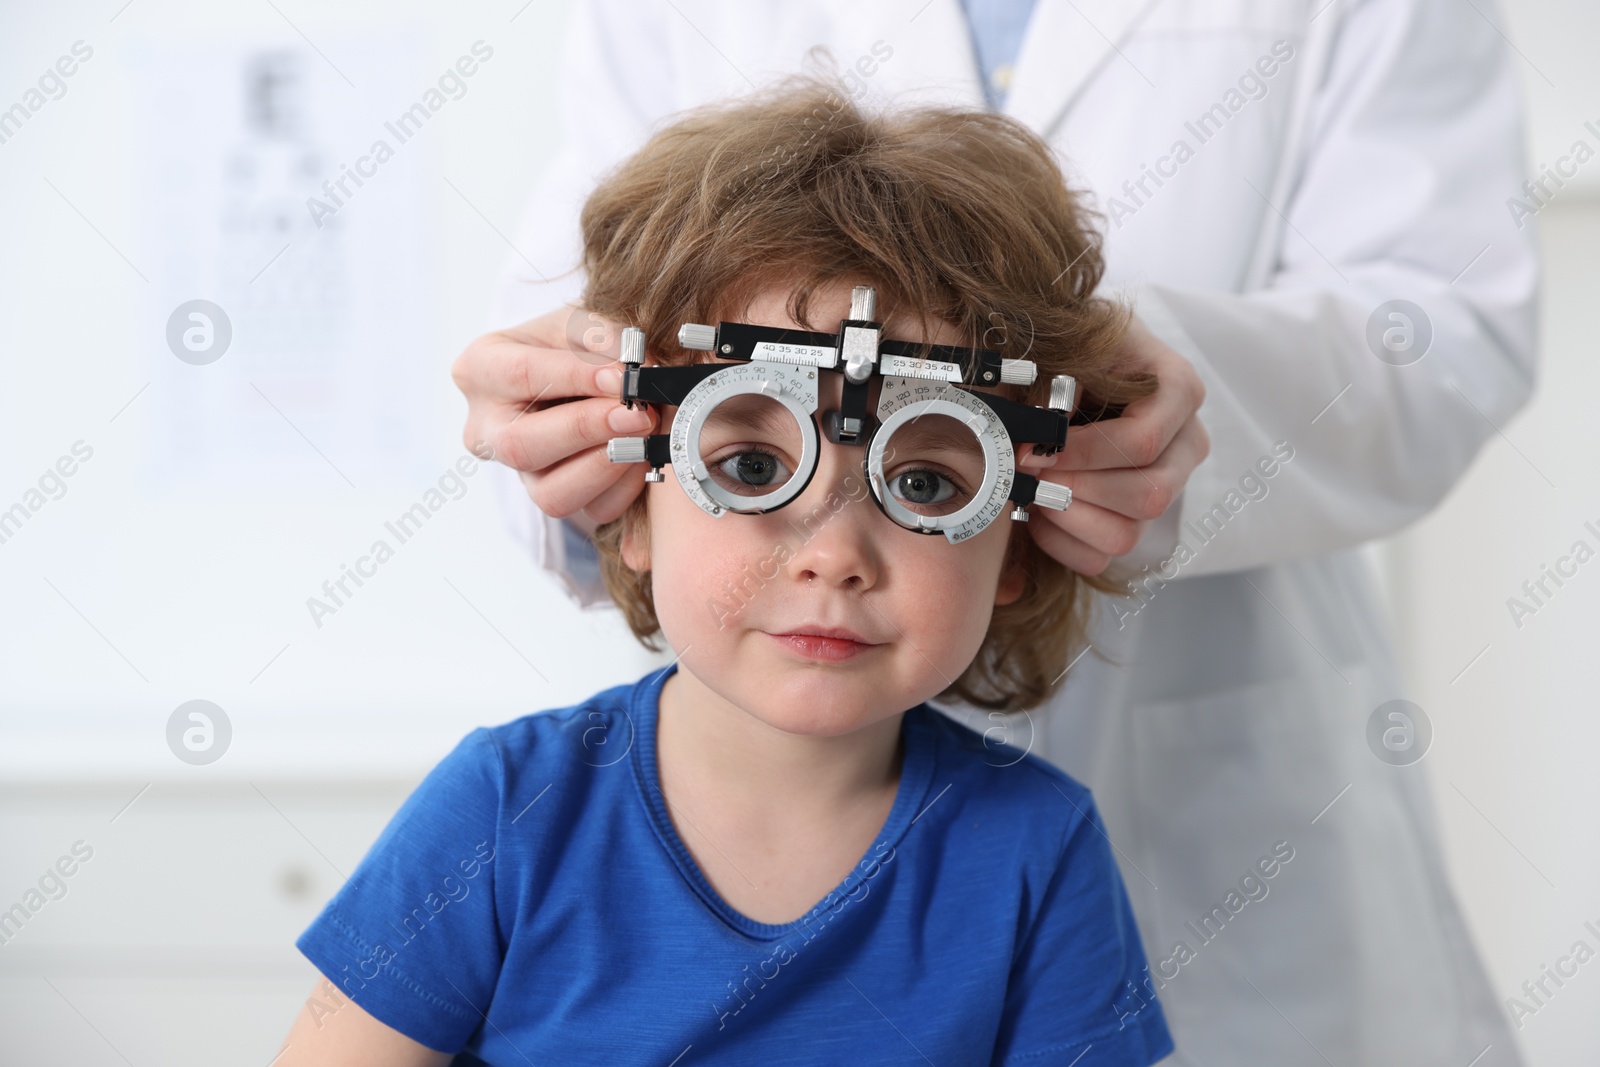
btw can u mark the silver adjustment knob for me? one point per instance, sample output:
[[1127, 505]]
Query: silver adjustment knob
[[860, 348], [625, 450], [633, 345], [1052, 495], [694, 336], [864, 303], [1063, 392], [1019, 514], [1018, 371], [860, 351]]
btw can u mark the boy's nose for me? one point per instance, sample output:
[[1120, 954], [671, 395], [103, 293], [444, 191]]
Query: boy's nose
[[834, 520]]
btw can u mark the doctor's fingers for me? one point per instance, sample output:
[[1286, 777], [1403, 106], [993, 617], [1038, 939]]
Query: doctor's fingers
[[1138, 437], [534, 440], [536, 363], [1147, 427], [508, 386], [566, 488], [1141, 492], [1085, 538]]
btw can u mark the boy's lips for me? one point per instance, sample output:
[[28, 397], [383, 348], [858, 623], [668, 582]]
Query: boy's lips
[[826, 643]]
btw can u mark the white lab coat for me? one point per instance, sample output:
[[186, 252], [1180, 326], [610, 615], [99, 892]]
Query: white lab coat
[[1374, 166]]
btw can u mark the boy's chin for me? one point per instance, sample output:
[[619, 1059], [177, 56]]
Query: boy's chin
[[807, 720], [805, 699], [820, 704]]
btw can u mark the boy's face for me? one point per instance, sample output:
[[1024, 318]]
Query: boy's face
[[729, 589]]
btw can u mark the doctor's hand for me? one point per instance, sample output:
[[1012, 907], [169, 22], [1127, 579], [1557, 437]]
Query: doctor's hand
[[1125, 471], [542, 399]]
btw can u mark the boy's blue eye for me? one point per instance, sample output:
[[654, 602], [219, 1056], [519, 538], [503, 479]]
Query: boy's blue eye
[[752, 469], [922, 487]]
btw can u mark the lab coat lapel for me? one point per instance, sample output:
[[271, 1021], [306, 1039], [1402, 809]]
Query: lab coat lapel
[[1067, 42]]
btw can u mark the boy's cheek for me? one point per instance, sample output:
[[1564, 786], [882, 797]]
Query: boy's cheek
[[971, 568], [942, 574], [695, 557]]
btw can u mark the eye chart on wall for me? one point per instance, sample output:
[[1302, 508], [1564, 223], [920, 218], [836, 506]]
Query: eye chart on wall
[[249, 162], [280, 246]]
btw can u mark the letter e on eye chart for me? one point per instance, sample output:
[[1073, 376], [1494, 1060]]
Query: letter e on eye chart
[[323, 310]]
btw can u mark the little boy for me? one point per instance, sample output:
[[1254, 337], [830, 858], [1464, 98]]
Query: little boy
[[773, 850]]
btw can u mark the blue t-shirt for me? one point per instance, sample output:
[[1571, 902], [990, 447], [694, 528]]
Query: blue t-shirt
[[531, 901]]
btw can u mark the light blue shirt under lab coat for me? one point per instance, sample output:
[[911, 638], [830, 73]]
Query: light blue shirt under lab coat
[[997, 28]]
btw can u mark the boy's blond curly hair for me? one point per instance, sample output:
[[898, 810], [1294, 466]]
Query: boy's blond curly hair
[[954, 215]]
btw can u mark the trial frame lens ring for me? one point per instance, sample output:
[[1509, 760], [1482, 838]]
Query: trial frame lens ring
[[879, 484], [704, 399]]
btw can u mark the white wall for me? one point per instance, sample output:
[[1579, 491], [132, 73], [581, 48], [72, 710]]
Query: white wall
[[1513, 763]]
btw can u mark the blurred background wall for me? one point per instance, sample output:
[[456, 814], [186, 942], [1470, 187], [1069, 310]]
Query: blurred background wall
[[202, 510]]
